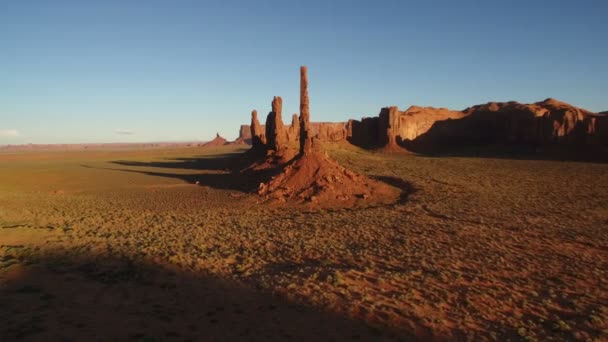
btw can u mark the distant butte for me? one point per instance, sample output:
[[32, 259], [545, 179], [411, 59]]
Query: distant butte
[[217, 141]]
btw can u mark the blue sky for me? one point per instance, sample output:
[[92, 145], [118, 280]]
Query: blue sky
[[105, 71]]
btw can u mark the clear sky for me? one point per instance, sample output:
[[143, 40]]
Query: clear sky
[[106, 71]]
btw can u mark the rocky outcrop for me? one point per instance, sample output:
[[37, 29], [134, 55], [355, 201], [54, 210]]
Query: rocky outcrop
[[217, 141], [392, 126], [258, 136], [276, 136], [374, 131], [420, 129], [388, 127], [328, 131], [313, 178], [364, 132], [324, 131], [416, 121], [544, 123], [244, 137], [601, 130], [293, 131]]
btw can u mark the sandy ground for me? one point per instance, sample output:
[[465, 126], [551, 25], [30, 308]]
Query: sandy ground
[[126, 245]]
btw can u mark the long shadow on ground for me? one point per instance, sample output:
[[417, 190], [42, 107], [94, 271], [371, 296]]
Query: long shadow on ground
[[220, 171], [60, 296], [406, 187], [225, 181], [583, 154], [224, 173], [225, 161]]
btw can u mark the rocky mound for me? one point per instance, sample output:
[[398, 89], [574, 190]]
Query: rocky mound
[[217, 141], [314, 178]]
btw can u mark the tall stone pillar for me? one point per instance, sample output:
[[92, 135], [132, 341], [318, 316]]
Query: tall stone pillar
[[258, 140], [388, 126], [305, 132], [294, 129], [275, 130]]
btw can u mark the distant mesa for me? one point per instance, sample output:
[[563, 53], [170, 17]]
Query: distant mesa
[[550, 123], [244, 137], [217, 141]]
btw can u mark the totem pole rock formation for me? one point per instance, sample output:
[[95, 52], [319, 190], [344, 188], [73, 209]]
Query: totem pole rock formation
[[276, 138], [305, 133], [258, 139], [313, 177]]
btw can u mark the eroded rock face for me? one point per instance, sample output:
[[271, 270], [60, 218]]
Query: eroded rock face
[[364, 132], [324, 131], [328, 131], [258, 137], [388, 126], [276, 136], [541, 123], [416, 121], [544, 123], [293, 131], [392, 126], [244, 136], [600, 130]]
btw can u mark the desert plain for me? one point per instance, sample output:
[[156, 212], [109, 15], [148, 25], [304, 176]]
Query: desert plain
[[169, 243]]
